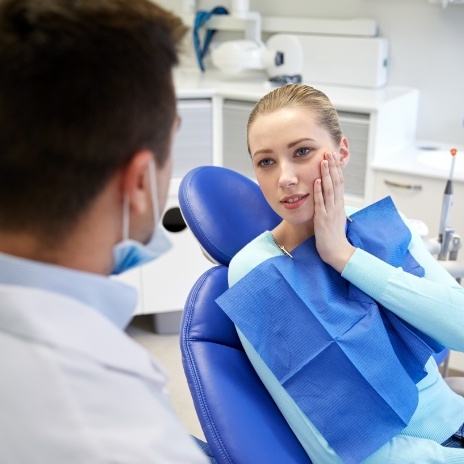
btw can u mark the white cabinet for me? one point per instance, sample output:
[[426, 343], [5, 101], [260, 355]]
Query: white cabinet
[[193, 142], [234, 144], [419, 197], [355, 127]]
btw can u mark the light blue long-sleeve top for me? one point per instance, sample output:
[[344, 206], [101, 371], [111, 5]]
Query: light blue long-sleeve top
[[434, 304]]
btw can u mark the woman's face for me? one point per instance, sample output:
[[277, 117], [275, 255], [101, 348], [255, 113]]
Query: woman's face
[[287, 147]]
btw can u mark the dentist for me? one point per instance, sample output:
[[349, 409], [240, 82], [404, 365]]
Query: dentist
[[87, 117]]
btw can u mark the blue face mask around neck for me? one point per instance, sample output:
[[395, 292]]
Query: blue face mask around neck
[[129, 253]]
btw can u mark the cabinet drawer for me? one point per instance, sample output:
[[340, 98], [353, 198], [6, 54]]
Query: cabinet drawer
[[193, 142], [355, 127], [235, 151], [421, 198]]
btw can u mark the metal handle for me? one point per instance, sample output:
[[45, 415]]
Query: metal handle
[[403, 186]]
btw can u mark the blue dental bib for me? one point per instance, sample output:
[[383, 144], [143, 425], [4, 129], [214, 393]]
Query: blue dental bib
[[348, 363]]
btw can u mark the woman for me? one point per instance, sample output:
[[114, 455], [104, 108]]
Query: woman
[[376, 297]]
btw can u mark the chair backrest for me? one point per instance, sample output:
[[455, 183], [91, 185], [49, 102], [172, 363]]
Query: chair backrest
[[442, 360], [224, 209], [241, 422]]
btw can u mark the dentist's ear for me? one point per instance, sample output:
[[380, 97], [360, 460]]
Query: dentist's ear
[[136, 182], [344, 152]]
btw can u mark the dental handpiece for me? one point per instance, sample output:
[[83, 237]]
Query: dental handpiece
[[447, 199]]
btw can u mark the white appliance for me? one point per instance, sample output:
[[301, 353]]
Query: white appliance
[[282, 55], [319, 59], [338, 60]]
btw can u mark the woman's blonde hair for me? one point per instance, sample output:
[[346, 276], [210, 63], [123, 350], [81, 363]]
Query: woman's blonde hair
[[299, 96]]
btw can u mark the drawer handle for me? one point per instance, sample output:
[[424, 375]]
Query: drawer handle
[[403, 186]]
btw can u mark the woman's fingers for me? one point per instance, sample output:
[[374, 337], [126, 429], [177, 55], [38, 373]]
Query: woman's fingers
[[319, 203], [331, 192], [327, 184], [332, 180], [336, 177], [329, 214]]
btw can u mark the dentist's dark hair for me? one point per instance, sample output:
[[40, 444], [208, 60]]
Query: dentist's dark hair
[[84, 85]]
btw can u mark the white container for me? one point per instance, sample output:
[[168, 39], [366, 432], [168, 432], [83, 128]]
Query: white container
[[240, 7]]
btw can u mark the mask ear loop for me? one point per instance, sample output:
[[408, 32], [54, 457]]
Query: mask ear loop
[[154, 190], [125, 217]]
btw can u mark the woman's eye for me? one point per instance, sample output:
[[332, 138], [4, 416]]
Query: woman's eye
[[265, 162], [303, 151]]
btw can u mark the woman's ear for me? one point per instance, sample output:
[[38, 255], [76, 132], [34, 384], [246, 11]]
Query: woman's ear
[[344, 152]]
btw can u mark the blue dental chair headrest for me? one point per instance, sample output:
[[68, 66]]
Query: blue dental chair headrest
[[240, 208]]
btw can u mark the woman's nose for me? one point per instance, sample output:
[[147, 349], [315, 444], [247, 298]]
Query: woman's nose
[[287, 177]]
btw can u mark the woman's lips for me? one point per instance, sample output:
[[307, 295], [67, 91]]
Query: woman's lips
[[293, 201]]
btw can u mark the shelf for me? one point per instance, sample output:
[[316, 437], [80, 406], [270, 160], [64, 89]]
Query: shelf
[[445, 3], [364, 27]]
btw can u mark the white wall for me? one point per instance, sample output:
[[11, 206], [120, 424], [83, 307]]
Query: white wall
[[426, 50]]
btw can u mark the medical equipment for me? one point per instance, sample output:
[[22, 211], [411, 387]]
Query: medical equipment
[[281, 57], [201, 18], [449, 240], [447, 198]]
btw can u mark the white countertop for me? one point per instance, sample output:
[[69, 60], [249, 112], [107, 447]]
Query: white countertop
[[424, 158], [251, 86]]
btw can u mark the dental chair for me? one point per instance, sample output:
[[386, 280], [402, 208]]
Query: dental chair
[[442, 360], [455, 383], [241, 423]]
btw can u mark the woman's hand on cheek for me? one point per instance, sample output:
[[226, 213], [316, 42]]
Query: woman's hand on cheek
[[329, 215]]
